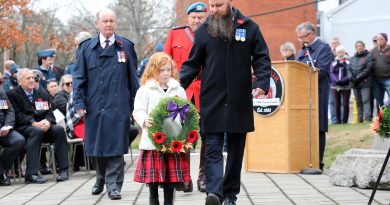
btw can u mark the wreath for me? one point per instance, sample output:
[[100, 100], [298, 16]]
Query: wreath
[[382, 123], [178, 113]]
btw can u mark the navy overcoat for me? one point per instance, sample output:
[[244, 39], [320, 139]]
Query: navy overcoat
[[105, 84], [322, 56]]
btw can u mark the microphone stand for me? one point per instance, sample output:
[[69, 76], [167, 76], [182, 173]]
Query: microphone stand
[[310, 170]]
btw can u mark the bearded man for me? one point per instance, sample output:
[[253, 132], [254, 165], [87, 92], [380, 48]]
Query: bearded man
[[227, 47]]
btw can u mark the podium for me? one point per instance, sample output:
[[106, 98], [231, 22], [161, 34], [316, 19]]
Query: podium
[[281, 141]]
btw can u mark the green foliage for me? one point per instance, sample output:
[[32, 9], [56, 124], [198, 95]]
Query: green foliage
[[341, 138], [160, 113], [384, 127]]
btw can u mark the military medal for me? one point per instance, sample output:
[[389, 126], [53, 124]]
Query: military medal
[[237, 36], [3, 105], [41, 105], [118, 53], [123, 56], [243, 35]]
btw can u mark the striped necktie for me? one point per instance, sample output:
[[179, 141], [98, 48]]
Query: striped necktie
[[30, 97], [107, 43]]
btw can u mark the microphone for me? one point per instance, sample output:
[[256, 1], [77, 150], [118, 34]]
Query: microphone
[[307, 46]]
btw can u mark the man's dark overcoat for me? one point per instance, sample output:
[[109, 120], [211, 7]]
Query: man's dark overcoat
[[225, 98], [105, 86], [322, 56]]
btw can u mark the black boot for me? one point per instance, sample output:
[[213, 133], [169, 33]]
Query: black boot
[[202, 171]]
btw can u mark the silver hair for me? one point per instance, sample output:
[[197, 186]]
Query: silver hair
[[62, 81], [288, 46], [83, 35], [104, 10], [307, 26], [20, 72], [341, 48]]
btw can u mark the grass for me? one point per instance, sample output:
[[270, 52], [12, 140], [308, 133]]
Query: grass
[[341, 138]]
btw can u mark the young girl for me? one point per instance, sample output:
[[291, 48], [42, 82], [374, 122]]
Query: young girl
[[155, 168]]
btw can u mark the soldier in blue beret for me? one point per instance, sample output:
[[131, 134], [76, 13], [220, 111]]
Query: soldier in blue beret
[[45, 62], [197, 7]]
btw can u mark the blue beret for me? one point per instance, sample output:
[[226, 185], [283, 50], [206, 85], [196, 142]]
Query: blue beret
[[159, 47], [46, 53], [197, 7]]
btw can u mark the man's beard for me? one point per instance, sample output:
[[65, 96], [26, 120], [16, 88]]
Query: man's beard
[[221, 27]]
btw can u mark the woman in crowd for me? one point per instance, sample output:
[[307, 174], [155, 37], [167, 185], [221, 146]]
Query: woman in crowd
[[361, 80], [288, 51], [339, 81]]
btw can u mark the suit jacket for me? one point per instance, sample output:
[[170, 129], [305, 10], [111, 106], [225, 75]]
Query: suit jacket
[[25, 111], [7, 116]]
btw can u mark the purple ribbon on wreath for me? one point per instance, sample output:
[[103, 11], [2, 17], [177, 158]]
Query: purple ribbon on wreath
[[175, 110]]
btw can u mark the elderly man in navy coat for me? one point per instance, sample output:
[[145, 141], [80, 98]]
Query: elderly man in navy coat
[[322, 56], [227, 50], [104, 87]]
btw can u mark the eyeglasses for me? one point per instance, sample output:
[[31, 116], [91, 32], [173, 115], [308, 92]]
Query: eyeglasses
[[302, 37], [68, 84]]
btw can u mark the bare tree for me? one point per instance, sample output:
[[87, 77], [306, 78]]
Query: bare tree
[[145, 22]]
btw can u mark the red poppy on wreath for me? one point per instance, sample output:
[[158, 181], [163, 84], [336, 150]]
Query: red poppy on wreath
[[387, 54], [159, 137], [176, 146], [39, 99], [192, 136]]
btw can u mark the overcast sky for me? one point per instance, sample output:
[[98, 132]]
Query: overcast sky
[[62, 6], [65, 13]]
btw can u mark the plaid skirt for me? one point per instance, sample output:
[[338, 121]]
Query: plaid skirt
[[158, 167]]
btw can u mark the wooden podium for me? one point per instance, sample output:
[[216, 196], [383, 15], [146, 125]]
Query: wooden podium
[[281, 142]]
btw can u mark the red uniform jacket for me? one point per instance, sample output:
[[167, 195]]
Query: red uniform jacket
[[178, 45]]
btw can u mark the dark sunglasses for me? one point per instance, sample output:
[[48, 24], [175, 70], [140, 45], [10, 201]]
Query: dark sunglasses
[[68, 83]]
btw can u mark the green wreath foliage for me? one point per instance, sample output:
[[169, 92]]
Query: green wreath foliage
[[384, 126], [190, 127]]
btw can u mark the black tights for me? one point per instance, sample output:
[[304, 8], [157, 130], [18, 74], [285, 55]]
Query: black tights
[[168, 193]]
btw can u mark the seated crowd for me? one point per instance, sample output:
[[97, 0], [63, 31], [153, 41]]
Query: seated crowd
[[28, 100]]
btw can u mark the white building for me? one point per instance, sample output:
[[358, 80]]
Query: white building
[[357, 20]]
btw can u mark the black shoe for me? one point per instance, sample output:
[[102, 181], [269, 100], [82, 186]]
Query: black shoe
[[97, 188], [212, 199], [63, 175], [4, 180], [34, 179], [230, 200], [114, 195], [188, 187], [45, 170]]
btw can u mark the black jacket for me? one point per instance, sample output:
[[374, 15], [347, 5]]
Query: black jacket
[[361, 68], [7, 116], [60, 101], [25, 111], [225, 99]]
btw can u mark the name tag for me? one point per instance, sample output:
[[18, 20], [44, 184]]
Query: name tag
[[41, 105], [3, 105]]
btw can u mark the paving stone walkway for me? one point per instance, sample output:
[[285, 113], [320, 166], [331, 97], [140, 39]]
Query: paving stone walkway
[[256, 188]]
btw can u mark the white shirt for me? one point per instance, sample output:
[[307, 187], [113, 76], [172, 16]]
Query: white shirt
[[102, 40]]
